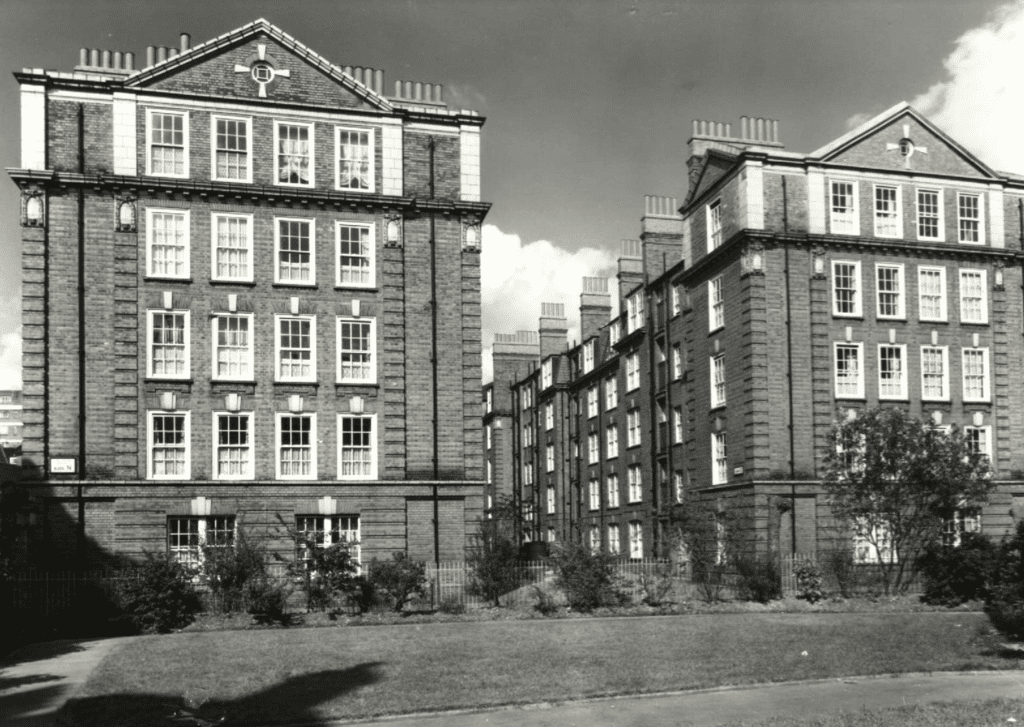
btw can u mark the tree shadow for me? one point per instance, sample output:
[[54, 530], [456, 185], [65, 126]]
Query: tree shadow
[[42, 651], [293, 700], [15, 682]]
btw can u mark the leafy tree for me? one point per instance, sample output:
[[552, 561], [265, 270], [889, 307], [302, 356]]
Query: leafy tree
[[588, 579], [1005, 604], [162, 598], [494, 568], [399, 579], [893, 480], [710, 541]]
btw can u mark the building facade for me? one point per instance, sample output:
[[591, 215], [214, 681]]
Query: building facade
[[788, 292], [11, 422], [251, 297]]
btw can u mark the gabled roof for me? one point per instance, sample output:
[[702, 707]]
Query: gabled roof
[[869, 127], [240, 35], [713, 166]]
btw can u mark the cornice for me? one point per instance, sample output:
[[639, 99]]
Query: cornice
[[248, 192]]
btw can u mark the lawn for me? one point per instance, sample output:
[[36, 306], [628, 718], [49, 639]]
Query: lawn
[[267, 676], [961, 714]]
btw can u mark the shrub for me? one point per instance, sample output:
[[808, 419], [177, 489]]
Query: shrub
[[759, 579], [841, 571], [587, 578], [808, 581], [162, 598], [1005, 604], [325, 575], [956, 575], [451, 605], [235, 572], [546, 604], [398, 579], [494, 568], [657, 582]]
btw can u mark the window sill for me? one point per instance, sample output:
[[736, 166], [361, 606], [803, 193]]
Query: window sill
[[350, 190], [161, 279], [168, 380], [933, 320], [297, 286], [850, 398], [893, 319], [234, 382], [297, 186], [357, 384], [849, 316], [231, 181], [974, 323], [360, 288], [243, 283], [297, 383]]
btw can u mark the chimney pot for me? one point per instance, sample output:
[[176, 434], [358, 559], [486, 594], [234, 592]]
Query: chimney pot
[[116, 62], [348, 70], [407, 91], [398, 89], [105, 59], [129, 61], [357, 73], [438, 93], [720, 129], [696, 127], [150, 55], [760, 129], [94, 57], [743, 127], [728, 131], [418, 91], [775, 130], [161, 54], [172, 52], [186, 41], [83, 57], [378, 81]]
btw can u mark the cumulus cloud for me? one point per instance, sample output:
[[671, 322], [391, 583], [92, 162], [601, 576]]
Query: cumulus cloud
[[10, 360], [516, 278], [981, 101]]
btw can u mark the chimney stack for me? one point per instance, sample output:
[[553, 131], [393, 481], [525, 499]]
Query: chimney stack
[[513, 356], [631, 269], [595, 307], [186, 42], [553, 329], [662, 235]]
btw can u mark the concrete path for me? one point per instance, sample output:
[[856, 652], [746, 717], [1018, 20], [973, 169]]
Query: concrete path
[[36, 681], [751, 704]]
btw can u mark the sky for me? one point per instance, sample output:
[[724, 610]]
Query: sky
[[588, 104]]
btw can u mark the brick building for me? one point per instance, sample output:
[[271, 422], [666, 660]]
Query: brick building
[[251, 287], [788, 291], [10, 421]]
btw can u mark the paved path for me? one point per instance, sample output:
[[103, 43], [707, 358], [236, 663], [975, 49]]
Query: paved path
[[728, 706], [37, 680]]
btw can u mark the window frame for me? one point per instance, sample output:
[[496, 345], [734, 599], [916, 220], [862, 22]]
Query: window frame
[[187, 441], [865, 552], [636, 540], [944, 352], [186, 216], [859, 347], [594, 493], [549, 416], [593, 448], [215, 432], [549, 458], [903, 393], [858, 293], [634, 433], [713, 219], [716, 304], [372, 172], [987, 429], [588, 357], [331, 528], [150, 343], [677, 301], [547, 373], [312, 377], [853, 215], [278, 418], [195, 557], [980, 219], [635, 482], [901, 293], [719, 459], [371, 227], [372, 353], [632, 371], [278, 280], [941, 270], [612, 489], [247, 120], [311, 127], [550, 501], [986, 375], [677, 425], [677, 361], [964, 520], [215, 347], [614, 541], [158, 111], [984, 295], [215, 247], [611, 393], [611, 442], [374, 459], [717, 380], [898, 215], [635, 312], [941, 220]]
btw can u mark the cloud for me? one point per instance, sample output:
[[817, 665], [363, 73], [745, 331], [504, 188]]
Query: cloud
[[464, 96], [10, 360], [981, 101], [516, 278]]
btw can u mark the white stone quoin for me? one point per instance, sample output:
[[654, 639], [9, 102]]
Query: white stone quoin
[[33, 127], [391, 162], [125, 133], [469, 162]]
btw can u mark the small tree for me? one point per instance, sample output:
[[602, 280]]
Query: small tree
[[398, 579], [892, 481], [1005, 604], [493, 560], [708, 537], [162, 598], [587, 578]]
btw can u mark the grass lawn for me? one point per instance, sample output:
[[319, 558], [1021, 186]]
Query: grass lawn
[[961, 714], [267, 676]]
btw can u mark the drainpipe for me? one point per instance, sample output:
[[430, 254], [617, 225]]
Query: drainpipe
[[80, 555], [789, 374]]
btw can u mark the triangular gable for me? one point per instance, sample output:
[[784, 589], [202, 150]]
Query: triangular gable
[[876, 143], [220, 67], [715, 165]]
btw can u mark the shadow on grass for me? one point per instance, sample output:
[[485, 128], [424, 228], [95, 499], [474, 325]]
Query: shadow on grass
[[44, 650], [292, 700], [15, 682]]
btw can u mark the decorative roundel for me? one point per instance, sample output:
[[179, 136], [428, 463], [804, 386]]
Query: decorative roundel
[[906, 147], [262, 72]]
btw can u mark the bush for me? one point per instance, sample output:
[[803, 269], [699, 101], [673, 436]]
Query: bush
[[235, 572], [546, 604], [493, 561], [759, 579], [326, 575], [162, 598], [1005, 604], [398, 579], [657, 581], [267, 602], [841, 571], [452, 605], [956, 575], [587, 578], [808, 581]]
